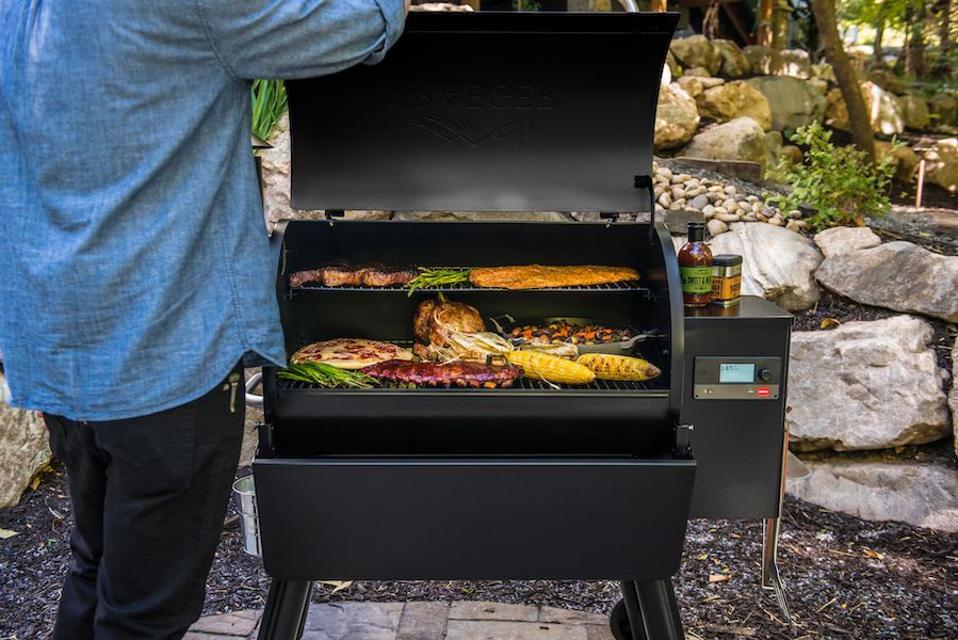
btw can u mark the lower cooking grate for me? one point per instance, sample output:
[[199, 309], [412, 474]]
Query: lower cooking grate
[[522, 384]]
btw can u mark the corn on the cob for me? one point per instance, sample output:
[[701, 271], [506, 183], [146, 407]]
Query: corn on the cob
[[614, 367], [550, 368]]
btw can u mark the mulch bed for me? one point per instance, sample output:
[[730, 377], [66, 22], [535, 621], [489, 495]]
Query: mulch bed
[[847, 578]]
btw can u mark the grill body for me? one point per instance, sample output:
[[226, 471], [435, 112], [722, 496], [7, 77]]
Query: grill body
[[480, 112], [475, 483]]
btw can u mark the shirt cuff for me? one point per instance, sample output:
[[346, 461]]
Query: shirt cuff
[[394, 13]]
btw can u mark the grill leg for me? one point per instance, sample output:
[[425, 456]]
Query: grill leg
[[653, 610], [634, 611], [285, 614]]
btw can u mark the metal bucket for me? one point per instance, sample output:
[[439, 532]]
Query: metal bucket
[[244, 490]]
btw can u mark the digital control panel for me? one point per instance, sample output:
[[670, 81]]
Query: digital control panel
[[737, 378]]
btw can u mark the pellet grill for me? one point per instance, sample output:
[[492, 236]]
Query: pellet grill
[[486, 112]]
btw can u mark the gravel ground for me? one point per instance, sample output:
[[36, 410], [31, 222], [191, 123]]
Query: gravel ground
[[847, 578]]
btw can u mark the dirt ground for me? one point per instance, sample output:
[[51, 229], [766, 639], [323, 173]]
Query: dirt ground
[[846, 578]]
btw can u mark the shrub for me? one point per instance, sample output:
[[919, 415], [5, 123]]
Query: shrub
[[839, 183]]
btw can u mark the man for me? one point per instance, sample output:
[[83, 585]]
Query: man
[[134, 272]]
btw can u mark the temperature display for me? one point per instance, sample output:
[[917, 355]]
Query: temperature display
[[736, 373]]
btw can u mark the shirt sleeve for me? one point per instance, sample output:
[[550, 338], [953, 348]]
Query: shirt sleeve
[[300, 38]]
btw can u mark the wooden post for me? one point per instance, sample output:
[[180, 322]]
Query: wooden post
[[921, 183]]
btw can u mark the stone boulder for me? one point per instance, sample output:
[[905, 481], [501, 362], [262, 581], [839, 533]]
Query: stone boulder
[[793, 103], [838, 240], [888, 81], [883, 109], [697, 72], [796, 63], [734, 63], [944, 108], [914, 111], [777, 263], [895, 275], [823, 71], [774, 146], [739, 139], [677, 117], [941, 164], [695, 86], [733, 100], [764, 61], [904, 158], [953, 396], [866, 385], [924, 495], [696, 51], [24, 450]]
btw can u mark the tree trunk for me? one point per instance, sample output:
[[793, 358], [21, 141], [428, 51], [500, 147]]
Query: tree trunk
[[879, 34], [916, 43], [780, 24], [858, 120], [764, 32], [658, 5], [945, 43]]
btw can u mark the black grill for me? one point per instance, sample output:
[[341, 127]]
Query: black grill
[[532, 481]]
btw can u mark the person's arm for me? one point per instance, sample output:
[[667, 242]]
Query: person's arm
[[300, 38]]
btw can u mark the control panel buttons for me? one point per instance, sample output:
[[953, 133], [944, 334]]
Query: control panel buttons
[[764, 375]]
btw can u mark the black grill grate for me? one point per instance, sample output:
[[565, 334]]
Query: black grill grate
[[633, 286], [522, 384]]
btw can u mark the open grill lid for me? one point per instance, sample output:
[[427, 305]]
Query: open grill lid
[[487, 112]]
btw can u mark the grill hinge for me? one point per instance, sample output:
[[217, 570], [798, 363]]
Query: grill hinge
[[266, 449], [683, 441], [334, 213], [645, 182]]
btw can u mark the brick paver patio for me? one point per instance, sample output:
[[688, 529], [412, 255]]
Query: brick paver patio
[[420, 621]]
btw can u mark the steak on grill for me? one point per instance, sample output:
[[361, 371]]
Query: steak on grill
[[454, 374], [342, 275]]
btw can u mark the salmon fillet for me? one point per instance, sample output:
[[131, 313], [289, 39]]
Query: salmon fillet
[[536, 276]]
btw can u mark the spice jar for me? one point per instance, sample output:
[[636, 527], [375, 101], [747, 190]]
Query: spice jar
[[726, 279], [695, 266]]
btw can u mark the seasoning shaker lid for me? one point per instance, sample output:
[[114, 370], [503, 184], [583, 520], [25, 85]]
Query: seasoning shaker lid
[[726, 260]]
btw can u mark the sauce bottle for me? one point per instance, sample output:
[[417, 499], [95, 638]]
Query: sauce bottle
[[695, 266]]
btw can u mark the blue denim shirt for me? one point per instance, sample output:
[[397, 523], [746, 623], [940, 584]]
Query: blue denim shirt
[[134, 265]]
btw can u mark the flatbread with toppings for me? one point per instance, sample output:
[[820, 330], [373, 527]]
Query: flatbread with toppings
[[350, 353]]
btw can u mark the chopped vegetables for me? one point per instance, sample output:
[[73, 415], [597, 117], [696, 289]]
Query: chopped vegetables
[[614, 367], [326, 375], [551, 368]]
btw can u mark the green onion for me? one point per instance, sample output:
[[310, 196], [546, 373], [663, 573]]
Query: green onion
[[268, 105], [326, 375], [428, 278]]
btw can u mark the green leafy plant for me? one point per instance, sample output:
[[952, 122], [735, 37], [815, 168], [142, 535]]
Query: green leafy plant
[[269, 104], [839, 183]]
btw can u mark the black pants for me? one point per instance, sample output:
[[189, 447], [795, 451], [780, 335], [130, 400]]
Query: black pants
[[149, 496]]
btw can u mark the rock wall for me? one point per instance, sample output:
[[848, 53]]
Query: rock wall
[[797, 93]]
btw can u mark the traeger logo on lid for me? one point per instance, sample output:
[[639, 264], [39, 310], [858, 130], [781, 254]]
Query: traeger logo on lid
[[445, 104]]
